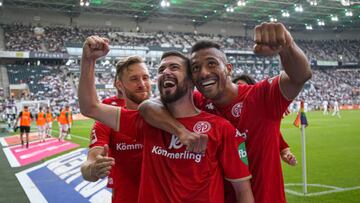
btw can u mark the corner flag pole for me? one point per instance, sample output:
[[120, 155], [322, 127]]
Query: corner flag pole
[[303, 157], [301, 122]]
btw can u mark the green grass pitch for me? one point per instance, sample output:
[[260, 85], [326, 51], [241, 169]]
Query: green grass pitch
[[333, 152]]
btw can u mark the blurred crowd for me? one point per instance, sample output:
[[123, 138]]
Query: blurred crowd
[[53, 39], [57, 84]]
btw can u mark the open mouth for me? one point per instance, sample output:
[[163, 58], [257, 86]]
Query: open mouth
[[168, 83], [208, 83]]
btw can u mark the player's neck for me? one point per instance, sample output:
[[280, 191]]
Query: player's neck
[[119, 96], [130, 104], [230, 93], [183, 107]]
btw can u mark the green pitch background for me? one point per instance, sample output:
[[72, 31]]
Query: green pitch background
[[333, 158]]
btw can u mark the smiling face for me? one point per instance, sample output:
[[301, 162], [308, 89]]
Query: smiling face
[[210, 72], [173, 82], [135, 83]]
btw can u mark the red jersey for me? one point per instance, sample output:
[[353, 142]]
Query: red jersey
[[172, 174], [124, 177], [257, 113]]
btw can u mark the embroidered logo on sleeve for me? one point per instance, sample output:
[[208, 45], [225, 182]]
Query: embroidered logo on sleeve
[[236, 109], [243, 153]]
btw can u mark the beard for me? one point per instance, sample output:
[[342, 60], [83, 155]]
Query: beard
[[181, 90], [134, 97]]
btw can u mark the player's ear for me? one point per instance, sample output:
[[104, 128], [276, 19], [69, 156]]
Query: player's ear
[[228, 69], [118, 84]]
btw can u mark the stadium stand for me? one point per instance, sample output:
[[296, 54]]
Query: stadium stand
[[53, 39], [47, 82]]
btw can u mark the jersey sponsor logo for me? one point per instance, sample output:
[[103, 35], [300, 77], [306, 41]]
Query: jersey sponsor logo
[[93, 137], [175, 143], [243, 153], [236, 109], [240, 134], [62, 174], [126, 147], [202, 127], [177, 155]]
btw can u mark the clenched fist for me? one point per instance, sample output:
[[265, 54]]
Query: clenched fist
[[271, 39], [95, 47]]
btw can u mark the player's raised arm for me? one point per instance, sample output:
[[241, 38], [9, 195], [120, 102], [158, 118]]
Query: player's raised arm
[[94, 48], [155, 113], [272, 39]]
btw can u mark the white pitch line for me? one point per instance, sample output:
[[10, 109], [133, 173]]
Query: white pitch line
[[315, 185], [3, 142], [79, 137], [334, 189], [10, 156], [30, 188]]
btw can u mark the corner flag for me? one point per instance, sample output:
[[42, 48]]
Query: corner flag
[[301, 117], [301, 122]]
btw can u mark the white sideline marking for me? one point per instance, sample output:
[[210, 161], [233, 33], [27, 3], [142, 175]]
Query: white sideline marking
[[29, 186], [3, 142], [30, 189], [333, 189], [10, 156]]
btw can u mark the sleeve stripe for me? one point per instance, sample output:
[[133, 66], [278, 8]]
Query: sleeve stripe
[[118, 119], [239, 179]]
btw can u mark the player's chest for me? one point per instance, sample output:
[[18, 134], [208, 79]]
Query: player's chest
[[121, 143], [166, 148]]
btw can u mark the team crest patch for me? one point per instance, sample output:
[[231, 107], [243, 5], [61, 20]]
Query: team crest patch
[[236, 109], [202, 127]]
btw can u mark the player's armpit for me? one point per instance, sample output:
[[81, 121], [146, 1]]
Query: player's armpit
[[288, 89]]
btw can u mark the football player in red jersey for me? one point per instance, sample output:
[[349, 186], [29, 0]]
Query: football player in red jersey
[[133, 79], [170, 173], [255, 110]]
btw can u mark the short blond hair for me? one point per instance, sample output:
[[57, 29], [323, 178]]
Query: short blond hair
[[125, 63]]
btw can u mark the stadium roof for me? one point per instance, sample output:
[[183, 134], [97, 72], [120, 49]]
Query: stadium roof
[[295, 13]]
